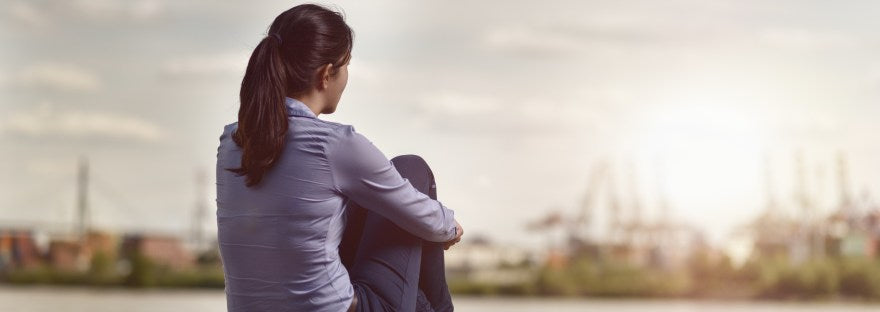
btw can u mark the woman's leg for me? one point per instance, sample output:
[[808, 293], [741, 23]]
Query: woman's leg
[[390, 268], [432, 274]]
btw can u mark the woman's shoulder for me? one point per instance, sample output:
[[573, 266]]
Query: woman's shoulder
[[228, 130], [336, 126], [338, 132], [336, 129], [346, 137]]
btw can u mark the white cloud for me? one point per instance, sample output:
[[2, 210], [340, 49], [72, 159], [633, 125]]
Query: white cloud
[[456, 104], [42, 14], [46, 121], [146, 9], [65, 77], [366, 71], [794, 38], [49, 166], [871, 78], [28, 14], [505, 115], [594, 33], [483, 180], [207, 64], [118, 10], [529, 40], [522, 110]]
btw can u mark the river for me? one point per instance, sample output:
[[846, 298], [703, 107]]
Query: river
[[73, 299]]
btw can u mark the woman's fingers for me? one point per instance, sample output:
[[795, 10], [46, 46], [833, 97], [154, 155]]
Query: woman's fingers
[[459, 231], [448, 244]]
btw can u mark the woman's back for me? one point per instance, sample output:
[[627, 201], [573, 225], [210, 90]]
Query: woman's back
[[279, 240]]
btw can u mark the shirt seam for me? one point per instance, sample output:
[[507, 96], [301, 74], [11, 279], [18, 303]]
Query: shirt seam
[[328, 260], [331, 148], [327, 152]]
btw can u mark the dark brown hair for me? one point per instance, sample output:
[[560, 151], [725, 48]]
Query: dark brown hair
[[284, 63]]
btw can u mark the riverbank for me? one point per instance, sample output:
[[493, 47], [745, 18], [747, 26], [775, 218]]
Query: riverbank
[[826, 279], [821, 280]]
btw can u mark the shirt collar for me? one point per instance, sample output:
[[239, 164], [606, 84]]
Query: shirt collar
[[297, 108]]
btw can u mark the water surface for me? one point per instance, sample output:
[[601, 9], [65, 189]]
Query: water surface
[[75, 299]]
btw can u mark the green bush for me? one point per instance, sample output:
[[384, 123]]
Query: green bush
[[556, 282], [143, 272], [468, 287], [860, 278]]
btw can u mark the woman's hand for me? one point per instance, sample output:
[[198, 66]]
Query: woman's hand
[[458, 232]]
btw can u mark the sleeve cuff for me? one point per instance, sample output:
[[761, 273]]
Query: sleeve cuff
[[452, 230]]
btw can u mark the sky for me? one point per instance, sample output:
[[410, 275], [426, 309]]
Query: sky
[[707, 104]]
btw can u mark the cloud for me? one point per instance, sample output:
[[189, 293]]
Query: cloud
[[46, 121], [224, 63], [504, 114], [366, 71], [552, 40], [483, 180], [793, 38], [117, 10], [457, 104], [49, 166], [28, 14], [53, 13], [59, 76], [533, 42], [146, 9]]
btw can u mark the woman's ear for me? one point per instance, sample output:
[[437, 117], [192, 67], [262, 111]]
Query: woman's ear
[[324, 76]]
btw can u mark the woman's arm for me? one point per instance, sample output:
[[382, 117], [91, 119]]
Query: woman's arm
[[363, 173]]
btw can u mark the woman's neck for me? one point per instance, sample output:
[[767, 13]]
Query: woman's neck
[[315, 103]]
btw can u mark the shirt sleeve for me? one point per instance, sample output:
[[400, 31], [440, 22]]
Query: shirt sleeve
[[363, 174]]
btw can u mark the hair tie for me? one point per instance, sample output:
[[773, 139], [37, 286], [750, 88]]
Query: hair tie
[[277, 36]]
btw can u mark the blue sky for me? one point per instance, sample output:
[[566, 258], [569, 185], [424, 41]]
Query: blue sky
[[512, 103]]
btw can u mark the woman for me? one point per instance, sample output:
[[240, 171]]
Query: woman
[[311, 215]]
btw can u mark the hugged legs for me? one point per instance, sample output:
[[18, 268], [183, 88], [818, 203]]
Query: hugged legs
[[391, 269]]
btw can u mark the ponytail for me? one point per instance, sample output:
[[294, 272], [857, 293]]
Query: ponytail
[[262, 119], [284, 63]]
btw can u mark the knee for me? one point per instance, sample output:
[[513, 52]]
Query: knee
[[410, 160], [414, 168]]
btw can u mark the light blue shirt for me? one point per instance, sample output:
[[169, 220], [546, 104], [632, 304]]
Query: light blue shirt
[[279, 241]]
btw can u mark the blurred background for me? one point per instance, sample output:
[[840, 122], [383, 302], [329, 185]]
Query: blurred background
[[591, 149]]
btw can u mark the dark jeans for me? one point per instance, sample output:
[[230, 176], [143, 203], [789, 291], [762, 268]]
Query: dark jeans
[[391, 269]]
